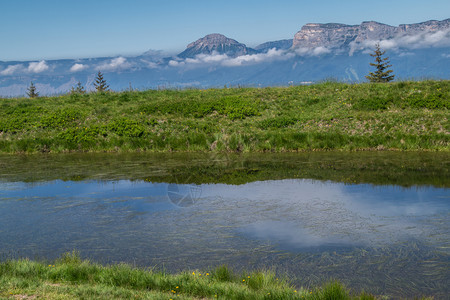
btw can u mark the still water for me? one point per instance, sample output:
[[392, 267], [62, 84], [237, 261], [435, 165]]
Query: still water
[[311, 217]]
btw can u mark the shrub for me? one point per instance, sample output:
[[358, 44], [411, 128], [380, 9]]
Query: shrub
[[373, 103], [61, 118], [79, 136], [127, 127], [13, 124], [237, 108], [278, 122]]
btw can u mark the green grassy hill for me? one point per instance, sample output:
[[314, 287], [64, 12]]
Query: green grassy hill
[[326, 116]]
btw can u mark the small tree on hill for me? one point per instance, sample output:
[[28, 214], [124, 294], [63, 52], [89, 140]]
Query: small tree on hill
[[79, 89], [100, 83], [382, 73], [31, 91]]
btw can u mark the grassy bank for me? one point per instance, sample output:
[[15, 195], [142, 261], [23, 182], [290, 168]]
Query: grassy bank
[[72, 278], [401, 116]]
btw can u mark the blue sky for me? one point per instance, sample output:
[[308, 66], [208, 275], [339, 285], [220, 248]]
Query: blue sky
[[54, 29]]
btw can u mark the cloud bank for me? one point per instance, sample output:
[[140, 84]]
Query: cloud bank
[[115, 64], [78, 67], [227, 61], [11, 69], [37, 67], [33, 67], [312, 51], [421, 40]]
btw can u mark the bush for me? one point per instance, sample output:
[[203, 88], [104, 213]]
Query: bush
[[278, 122], [80, 136], [433, 101], [13, 124], [61, 118], [373, 103], [237, 108], [233, 108], [127, 127]]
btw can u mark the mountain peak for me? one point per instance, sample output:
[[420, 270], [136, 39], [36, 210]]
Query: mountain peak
[[214, 39], [215, 43]]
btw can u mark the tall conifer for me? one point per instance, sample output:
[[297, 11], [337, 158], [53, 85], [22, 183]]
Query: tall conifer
[[382, 73], [100, 83], [31, 91]]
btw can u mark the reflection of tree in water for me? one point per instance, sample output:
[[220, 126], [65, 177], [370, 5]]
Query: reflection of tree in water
[[182, 192]]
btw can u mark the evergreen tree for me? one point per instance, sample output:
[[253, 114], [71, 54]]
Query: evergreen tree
[[31, 91], [382, 73], [79, 89], [100, 83]]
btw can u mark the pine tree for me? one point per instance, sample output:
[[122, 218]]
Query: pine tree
[[100, 83], [31, 91], [383, 73], [79, 89]]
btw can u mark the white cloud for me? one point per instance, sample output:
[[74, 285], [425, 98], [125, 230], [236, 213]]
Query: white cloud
[[271, 55], [312, 51], [149, 64], [205, 58], [406, 54], [11, 69], [225, 60], [33, 67], [78, 67], [37, 67], [446, 55], [174, 63], [425, 39], [320, 50], [118, 63]]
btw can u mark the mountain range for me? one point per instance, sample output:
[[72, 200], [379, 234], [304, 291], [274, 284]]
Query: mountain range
[[316, 52]]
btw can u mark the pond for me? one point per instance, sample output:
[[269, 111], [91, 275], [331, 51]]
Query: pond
[[375, 221]]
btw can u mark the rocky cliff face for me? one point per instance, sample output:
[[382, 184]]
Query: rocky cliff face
[[216, 43], [424, 26], [341, 35], [324, 35]]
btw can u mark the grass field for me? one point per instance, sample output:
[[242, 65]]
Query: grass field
[[325, 116], [72, 278]]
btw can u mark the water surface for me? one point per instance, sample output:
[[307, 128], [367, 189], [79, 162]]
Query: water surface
[[378, 222]]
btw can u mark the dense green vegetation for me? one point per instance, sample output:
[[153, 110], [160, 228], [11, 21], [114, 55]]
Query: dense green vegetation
[[73, 278], [401, 115]]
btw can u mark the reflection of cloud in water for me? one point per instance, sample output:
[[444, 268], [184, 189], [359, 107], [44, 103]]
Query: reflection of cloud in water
[[310, 213], [289, 213], [289, 235]]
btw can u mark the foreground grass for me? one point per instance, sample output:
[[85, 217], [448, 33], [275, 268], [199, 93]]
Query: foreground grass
[[72, 278], [400, 116]]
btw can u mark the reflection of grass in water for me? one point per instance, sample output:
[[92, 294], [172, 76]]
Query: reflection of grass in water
[[404, 169], [72, 277]]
